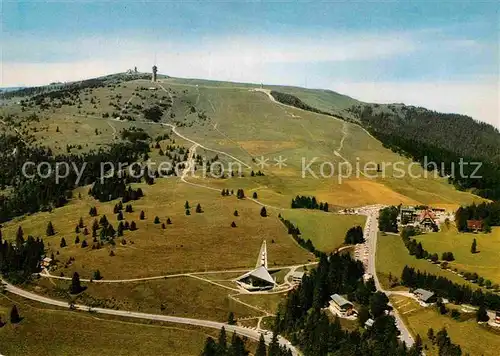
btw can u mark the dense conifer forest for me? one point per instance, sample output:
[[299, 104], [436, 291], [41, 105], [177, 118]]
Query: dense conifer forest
[[446, 139]]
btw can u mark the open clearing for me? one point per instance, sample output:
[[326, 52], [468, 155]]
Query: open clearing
[[474, 339], [484, 263], [40, 333], [199, 242], [325, 230], [392, 256]]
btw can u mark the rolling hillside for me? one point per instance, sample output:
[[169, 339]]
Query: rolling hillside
[[241, 120]]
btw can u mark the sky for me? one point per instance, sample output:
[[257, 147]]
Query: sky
[[443, 55]]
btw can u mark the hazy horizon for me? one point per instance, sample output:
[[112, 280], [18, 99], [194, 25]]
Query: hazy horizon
[[442, 56]]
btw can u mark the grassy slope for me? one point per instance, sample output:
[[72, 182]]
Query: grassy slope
[[392, 256], [192, 243], [60, 332], [182, 296], [484, 263], [326, 231], [465, 332], [246, 126]]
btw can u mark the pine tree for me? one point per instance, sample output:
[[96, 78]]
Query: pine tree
[[157, 220], [75, 286], [50, 229], [254, 195], [103, 221], [77, 240], [186, 205], [233, 224], [19, 237], [133, 226], [63, 242], [473, 248], [430, 334], [163, 226], [235, 213], [77, 229], [263, 212], [222, 341], [119, 216], [120, 229], [97, 275], [142, 215], [84, 243], [230, 319], [14, 315], [80, 223], [261, 348], [188, 212], [482, 314], [210, 348], [198, 208], [169, 222]]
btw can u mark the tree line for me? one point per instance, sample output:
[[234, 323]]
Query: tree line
[[446, 139], [444, 288], [303, 202]]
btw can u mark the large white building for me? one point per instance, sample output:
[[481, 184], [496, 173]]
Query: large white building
[[259, 278]]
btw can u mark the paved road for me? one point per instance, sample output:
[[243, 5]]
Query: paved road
[[371, 230], [250, 333]]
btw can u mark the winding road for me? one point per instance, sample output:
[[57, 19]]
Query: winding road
[[248, 332]]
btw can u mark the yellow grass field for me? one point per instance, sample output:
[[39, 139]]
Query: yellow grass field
[[325, 230], [466, 332], [392, 256], [53, 332], [484, 263], [197, 242]]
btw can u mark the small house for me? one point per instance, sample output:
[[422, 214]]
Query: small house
[[475, 225], [297, 276], [46, 262], [341, 306], [369, 323], [425, 296]]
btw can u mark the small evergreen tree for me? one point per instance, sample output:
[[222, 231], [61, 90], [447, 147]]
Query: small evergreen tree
[[233, 224], [50, 229], [198, 208], [119, 216], [157, 220], [186, 205], [482, 314], [263, 212], [142, 215], [254, 195], [188, 212], [163, 226], [96, 275], [169, 222], [14, 315], [235, 213], [75, 286], [133, 226], [230, 319], [80, 223], [77, 229], [261, 347], [84, 243], [473, 248], [62, 243], [77, 240]]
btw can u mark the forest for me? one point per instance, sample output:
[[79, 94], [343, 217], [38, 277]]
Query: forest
[[30, 192], [301, 318], [445, 139]]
